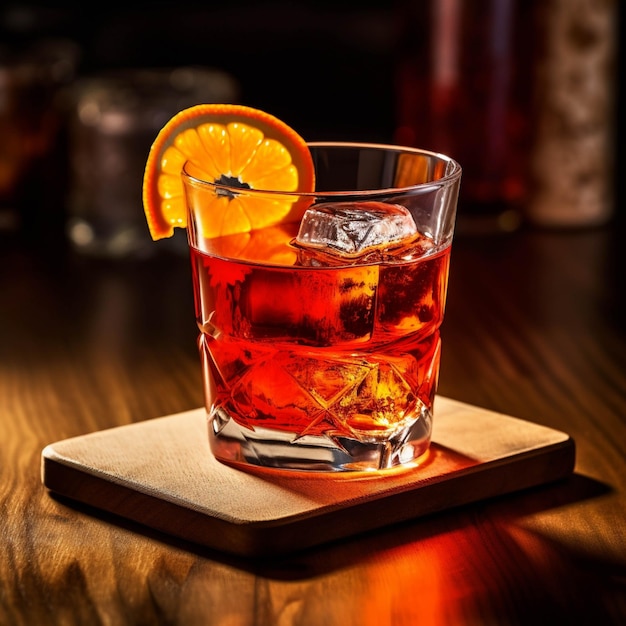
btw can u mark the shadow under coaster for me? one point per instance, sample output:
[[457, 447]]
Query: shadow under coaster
[[161, 473]]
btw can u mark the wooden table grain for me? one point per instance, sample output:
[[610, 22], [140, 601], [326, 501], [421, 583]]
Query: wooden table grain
[[534, 328]]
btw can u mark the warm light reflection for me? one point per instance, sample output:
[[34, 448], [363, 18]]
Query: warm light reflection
[[421, 581]]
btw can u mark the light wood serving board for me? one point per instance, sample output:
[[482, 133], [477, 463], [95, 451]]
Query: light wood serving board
[[160, 473]]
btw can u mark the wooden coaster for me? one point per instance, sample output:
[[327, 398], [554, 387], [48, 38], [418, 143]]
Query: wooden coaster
[[161, 473]]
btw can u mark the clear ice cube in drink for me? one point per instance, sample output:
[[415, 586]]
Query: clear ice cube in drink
[[311, 306], [353, 230]]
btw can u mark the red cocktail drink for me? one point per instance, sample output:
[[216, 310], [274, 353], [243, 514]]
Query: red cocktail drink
[[320, 340], [348, 351]]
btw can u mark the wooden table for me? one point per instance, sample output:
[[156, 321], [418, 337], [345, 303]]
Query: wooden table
[[534, 329]]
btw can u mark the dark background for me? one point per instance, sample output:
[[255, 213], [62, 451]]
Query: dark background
[[324, 67], [327, 68]]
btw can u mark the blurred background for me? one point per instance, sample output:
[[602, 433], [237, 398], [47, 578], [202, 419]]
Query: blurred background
[[523, 93]]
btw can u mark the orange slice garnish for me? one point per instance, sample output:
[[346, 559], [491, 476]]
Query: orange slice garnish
[[226, 144]]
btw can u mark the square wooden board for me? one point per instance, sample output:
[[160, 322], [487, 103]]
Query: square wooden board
[[160, 473]]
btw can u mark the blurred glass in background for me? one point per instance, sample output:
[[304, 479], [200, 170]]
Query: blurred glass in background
[[113, 118]]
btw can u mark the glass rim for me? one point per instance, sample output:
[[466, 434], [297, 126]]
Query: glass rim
[[448, 179]]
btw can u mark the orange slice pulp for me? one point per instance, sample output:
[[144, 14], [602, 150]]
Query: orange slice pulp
[[226, 144]]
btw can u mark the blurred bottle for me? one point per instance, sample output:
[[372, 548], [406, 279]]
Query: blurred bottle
[[573, 152], [31, 132], [463, 87]]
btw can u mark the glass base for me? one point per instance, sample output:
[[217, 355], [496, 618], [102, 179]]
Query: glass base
[[264, 447]]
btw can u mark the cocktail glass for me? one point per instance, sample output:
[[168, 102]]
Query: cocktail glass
[[320, 335]]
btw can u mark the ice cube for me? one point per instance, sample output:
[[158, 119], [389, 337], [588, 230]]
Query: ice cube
[[354, 229], [305, 306]]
